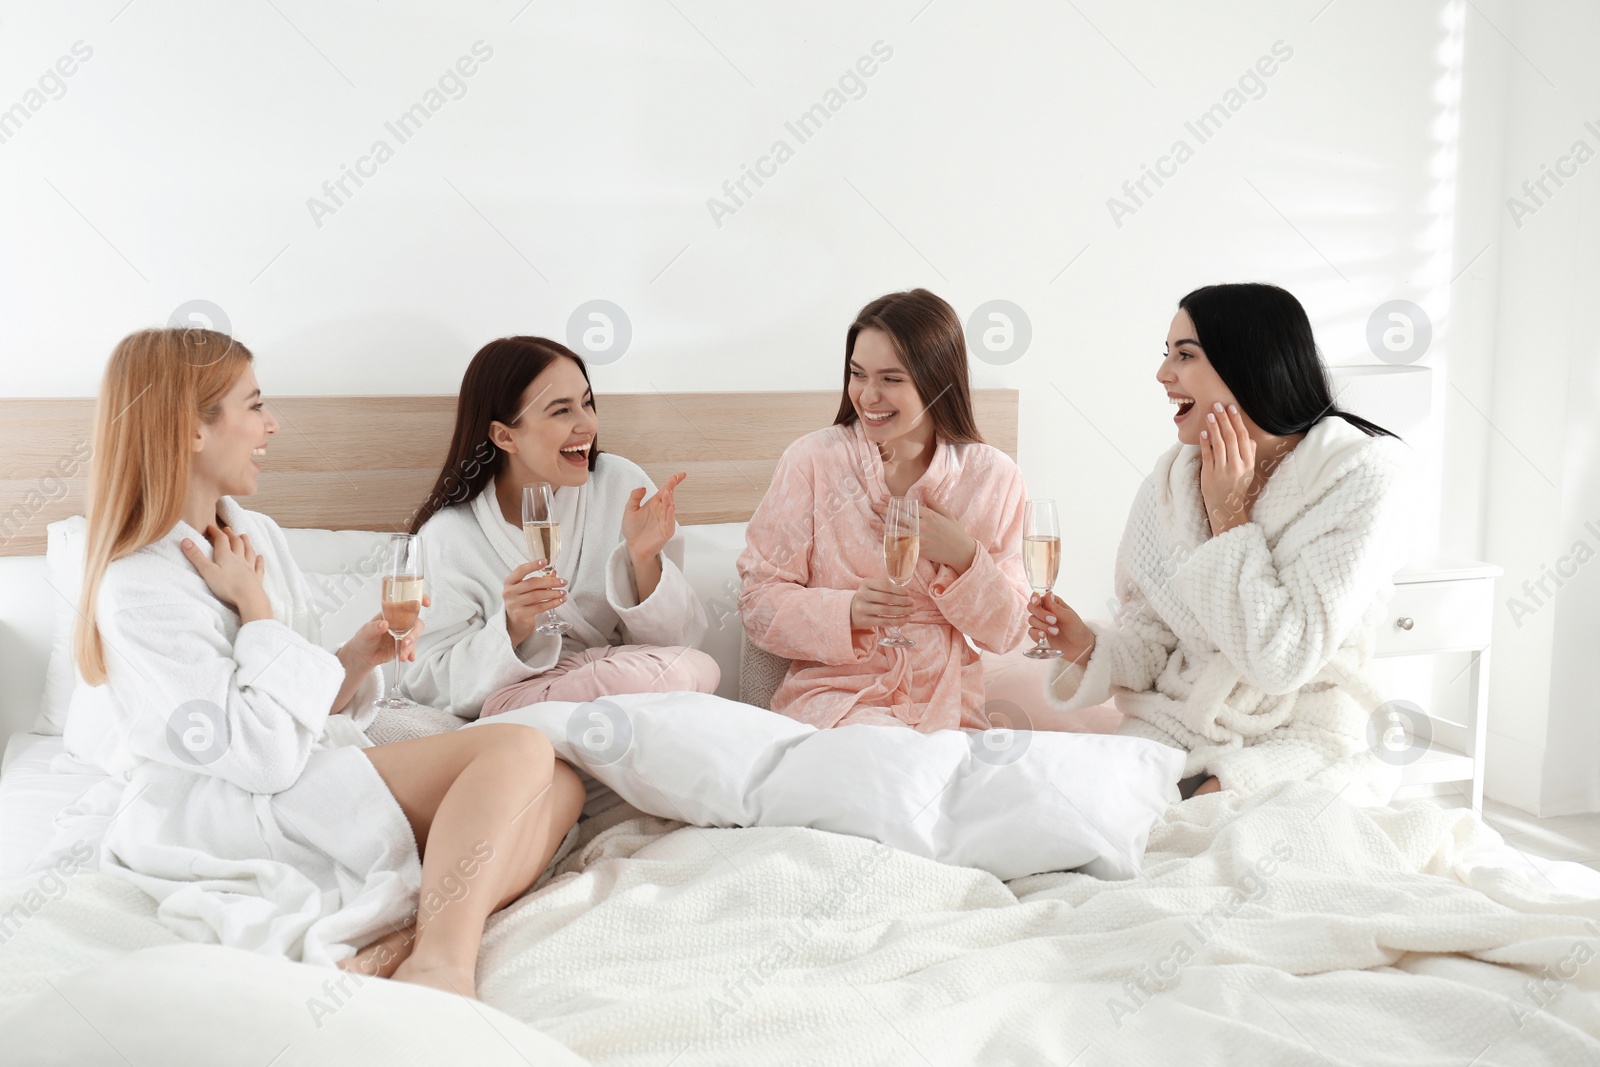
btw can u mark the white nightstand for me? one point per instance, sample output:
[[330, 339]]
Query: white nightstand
[[1446, 605]]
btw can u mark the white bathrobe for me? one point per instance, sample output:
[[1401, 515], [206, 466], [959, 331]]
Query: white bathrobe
[[248, 812], [1249, 649], [465, 653]]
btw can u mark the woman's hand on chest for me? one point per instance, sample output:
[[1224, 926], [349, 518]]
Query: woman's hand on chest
[[942, 539], [234, 573]]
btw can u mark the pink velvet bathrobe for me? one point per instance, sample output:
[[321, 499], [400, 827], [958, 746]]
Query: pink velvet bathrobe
[[812, 542]]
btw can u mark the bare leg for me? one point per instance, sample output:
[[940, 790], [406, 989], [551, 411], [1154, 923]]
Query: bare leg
[[489, 807]]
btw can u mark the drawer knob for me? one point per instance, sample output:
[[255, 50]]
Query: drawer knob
[[1405, 622]]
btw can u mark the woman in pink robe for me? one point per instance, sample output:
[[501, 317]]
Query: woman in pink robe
[[815, 588]]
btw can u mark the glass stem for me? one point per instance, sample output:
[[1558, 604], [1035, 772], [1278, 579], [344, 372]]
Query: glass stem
[[1043, 644], [394, 676]]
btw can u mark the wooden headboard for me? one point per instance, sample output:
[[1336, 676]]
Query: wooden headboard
[[367, 462]]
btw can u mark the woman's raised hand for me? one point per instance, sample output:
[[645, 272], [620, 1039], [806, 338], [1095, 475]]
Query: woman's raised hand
[[1061, 628], [648, 527], [233, 573], [879, 603], [527, 595], [1227, 468]]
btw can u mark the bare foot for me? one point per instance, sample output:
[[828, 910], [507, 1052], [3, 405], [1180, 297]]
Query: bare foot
[[381, 958], [459, 980]]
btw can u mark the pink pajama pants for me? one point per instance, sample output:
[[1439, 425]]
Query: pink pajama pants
[[611, 670]]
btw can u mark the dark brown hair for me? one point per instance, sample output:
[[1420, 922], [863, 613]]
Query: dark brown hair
[[927, 336], [491, 391]]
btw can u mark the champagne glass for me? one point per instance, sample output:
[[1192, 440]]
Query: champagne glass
[[402, 604], [1041, 559], [543, 534], [901, 542]]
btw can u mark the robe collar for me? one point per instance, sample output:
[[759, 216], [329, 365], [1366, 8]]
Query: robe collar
[[930, 488]]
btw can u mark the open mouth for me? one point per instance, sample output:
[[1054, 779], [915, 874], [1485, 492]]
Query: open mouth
[[877, 418], [256, 454], [1185, 405], [578, 455]]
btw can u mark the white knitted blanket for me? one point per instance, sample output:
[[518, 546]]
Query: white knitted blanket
[[1284, 928]]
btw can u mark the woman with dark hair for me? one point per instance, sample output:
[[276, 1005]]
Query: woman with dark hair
[[1254, 566], [813, 567], [526, 414]]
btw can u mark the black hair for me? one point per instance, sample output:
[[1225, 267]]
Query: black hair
[[1258, 339]]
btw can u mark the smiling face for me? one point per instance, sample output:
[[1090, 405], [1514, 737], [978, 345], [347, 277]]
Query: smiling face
[[226, 449], [885, 398], [1191, 383], [556, 429]]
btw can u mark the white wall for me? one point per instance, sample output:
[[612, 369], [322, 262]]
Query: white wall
[[578, 165], [1524, 475], [977, 160]]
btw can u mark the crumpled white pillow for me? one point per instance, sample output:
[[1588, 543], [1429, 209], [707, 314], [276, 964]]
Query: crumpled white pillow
[[205, 1005], [1012, 803]]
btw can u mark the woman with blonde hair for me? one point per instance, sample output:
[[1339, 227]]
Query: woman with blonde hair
[[253, 812]]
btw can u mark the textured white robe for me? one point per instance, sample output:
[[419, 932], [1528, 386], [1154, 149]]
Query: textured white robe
[[1249, 649], [466, 652], [237, 801]]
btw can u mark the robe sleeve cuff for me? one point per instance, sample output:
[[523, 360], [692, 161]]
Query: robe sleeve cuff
[[840, 642], [670, 615], [274, 658], [982, 604], [537, 654], [1217, 563], [1070, 686], [361, 710]]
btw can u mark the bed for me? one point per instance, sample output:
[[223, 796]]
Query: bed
[[1288, 927]]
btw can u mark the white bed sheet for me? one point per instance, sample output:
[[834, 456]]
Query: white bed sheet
[[31, 794], [1320, 934]]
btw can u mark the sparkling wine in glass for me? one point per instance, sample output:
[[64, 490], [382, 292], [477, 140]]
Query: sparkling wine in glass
[[1041, 559], [901, 543], [543, 534], [403, 583]]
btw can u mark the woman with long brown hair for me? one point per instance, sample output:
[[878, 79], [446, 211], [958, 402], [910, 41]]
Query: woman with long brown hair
[[813, 569], [254, 814], [526, 414]]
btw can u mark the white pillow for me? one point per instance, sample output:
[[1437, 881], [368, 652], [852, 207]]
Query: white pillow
[[344, 569], [710, 564], [203, 1005], [64, 561], [1012, 803]]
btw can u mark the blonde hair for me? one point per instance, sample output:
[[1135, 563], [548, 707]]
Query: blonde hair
[[159, 386]]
